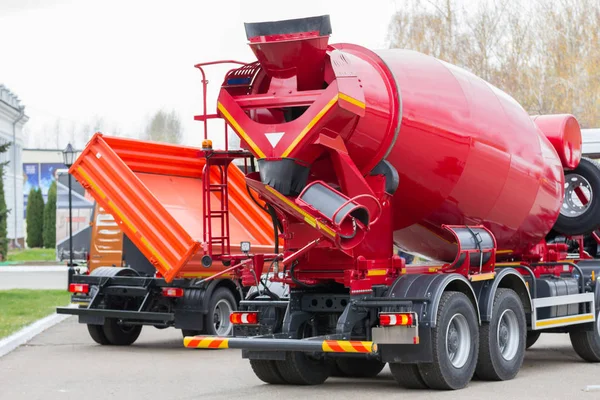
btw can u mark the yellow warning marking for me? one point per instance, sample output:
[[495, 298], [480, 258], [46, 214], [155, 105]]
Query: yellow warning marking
[[482, 277], [239, 130], [376, 272], [352, 100], [566, 320], [309, 126]]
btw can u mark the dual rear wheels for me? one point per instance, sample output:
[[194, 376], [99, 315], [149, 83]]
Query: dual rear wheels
[[115, 333], [461, 348]]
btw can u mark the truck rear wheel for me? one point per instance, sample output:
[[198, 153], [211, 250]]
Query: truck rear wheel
[[532, 337], [302, 369], [266, 371], [222, 303], [502, 340], [119, 334], [408, 376], [455, 343], [97, 334], [359, 367], [586, 343]]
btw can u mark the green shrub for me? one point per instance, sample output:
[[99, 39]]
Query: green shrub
[[35, 218], [50, 218]]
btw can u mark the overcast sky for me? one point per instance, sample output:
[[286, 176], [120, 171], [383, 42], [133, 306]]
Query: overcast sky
[[124, 59]]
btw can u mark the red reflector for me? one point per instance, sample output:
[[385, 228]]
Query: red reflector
[[243, 318], [401, 319], [79, 288], [172, 292]]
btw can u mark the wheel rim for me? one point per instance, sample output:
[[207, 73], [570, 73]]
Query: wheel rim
[[578, 196], [458, 340], [221, 317], [507, 335]]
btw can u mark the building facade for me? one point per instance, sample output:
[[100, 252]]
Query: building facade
[[12, 120]]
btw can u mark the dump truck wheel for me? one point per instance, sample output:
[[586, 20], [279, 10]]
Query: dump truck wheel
[[408, 376], [266, 371], [301, 369], [532, 337], [502, 340], [121, 335], [455, 342], [576, 218], [222, 303], [97, 334], [586, 343], [359, 368]]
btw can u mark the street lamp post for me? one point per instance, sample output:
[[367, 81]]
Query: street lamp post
[[69, 158]]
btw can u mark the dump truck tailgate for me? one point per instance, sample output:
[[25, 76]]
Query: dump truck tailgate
[[154, 192]]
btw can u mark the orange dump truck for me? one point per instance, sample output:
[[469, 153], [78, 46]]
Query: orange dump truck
[[185, 213]]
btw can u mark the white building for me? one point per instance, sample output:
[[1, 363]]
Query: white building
[[12, 119], [591, 143]]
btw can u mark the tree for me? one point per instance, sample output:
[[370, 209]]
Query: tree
[[545, 54], [49, 235], [3, 210], [35, 218], [164, 127]]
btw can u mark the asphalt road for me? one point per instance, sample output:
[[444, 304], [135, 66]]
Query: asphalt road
[[64, 363]]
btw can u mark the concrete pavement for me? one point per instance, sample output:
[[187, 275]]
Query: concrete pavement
[[64, 363]]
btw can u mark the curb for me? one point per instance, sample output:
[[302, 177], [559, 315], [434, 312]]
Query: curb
[[24, 335]]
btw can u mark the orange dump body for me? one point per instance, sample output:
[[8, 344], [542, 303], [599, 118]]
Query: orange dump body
[[155, 193]]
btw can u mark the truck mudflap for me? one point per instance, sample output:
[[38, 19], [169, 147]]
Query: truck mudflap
[[154, 192], [272, 344]]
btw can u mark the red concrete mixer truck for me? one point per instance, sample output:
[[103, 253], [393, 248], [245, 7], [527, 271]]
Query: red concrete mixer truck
[[361, 150]]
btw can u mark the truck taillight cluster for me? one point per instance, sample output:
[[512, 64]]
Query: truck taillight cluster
[[397, 319], [172, 292], [243, 318], [79, 288]]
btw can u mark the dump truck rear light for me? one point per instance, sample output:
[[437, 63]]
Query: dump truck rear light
[[244, 318], [172, 292], [397, 319], [79, 288]]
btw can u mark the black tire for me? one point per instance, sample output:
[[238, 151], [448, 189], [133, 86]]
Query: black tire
[[213, 321], [508, 321], [408, 376], [97, 334], [300, 369], [532, 337], [359, 367], [587, 343], [120, 335], [589, 220], [266, 371], [455, 310]]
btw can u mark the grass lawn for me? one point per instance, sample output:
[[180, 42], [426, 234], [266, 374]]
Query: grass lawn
[[32, 255], [20, 307]]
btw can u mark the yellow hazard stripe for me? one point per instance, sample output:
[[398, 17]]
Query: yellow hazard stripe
[[482, 277], [203, 342], [376, 272], [307, 217], [347, 346], [239, 130], [309, 126], [566, 320], [352, 100]]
